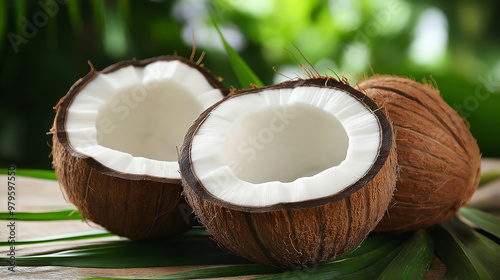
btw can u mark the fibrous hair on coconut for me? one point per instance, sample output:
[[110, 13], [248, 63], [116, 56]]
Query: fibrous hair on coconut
[[439, 158]]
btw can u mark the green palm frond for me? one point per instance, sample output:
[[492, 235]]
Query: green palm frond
[[482, 220], [60, 215], [245, 75], [32, 173], [71, 236]]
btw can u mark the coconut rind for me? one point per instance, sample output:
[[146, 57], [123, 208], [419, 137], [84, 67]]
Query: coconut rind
[[304, 233], [136, 209], [438, 156]]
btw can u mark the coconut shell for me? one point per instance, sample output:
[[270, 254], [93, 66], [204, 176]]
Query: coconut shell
[[137, 209], [439, 159], [303, 233], [133, 206]]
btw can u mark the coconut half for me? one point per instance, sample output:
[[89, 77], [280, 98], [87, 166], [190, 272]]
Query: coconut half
[[114, 142], [290, 175]]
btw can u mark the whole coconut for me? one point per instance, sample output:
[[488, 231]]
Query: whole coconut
[[438, 157]]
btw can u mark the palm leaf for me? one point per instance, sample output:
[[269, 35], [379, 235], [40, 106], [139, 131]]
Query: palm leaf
[[123, 9], [374, 269], [243, 72], [3, 21], [61, 215], [482, 219], [368, 245], [99, 10], [75, 16], [227, 271], [21, 10], [481, 248], [184, 250], [345, 266], [33, 173], [217, 272], [373, 242], [86, 234], [459, 260], [414, 259], [489, 176]]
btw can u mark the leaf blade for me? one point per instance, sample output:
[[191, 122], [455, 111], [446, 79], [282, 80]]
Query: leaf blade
[[482, 219], [227, 271], [32, 173], [460, 262], [489, 176], [414, 259], [374, 269], [21, 10], [124, 254], [71, 236], [347, 267], [75, 17], [482, 249], [4, 17], [60, 215], [243, 72]]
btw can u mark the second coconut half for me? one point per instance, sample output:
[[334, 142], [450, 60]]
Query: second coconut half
[[293, 174]]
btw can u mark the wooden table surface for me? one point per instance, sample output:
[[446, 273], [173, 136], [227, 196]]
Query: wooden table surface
[[44, 195]]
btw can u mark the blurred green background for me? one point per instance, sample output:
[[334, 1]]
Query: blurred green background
[[45, 46]]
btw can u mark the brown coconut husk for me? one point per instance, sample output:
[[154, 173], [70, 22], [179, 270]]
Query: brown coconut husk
[[439, 158]]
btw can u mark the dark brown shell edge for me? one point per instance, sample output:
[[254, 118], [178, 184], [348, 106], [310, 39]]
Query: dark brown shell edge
[[303, 233]]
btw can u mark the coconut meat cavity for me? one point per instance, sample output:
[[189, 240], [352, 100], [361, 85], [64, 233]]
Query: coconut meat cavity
[[277, 147], [131, 120]]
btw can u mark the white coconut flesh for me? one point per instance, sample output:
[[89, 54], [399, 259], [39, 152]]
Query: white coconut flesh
[[294, 145], [131, 120]]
